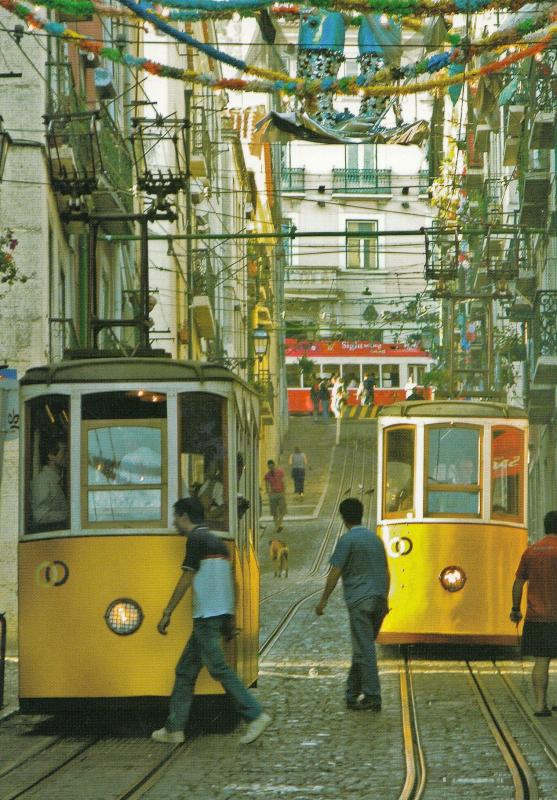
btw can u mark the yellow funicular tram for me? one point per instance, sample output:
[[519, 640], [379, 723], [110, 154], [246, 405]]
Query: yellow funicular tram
[[452, 506], [98, 555]]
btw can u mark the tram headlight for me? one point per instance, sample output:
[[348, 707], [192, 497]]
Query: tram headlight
[[123, 616], [452, 579]]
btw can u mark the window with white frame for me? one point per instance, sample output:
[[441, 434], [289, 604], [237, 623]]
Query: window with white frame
[[361, 250]]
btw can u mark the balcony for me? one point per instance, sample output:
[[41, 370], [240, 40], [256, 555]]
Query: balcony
[[542, 132], [363, 181], [534, 195], [200, 156], [293, 180], [510, 154], [319, 283], [544, 368], [203, 316], [514, 119], [481, 139]]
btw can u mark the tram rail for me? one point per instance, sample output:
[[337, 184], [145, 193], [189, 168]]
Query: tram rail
[[415, 781], [524, 780]]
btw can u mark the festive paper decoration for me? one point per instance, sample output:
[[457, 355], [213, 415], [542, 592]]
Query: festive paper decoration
[[282, 82]]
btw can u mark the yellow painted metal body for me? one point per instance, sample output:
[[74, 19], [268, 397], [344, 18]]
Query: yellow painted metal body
[[66, 649], [422, 610]]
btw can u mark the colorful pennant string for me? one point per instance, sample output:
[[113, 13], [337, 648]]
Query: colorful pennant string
[[282, 82]]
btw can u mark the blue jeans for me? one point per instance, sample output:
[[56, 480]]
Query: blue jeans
[[363, 676], [204, 649]]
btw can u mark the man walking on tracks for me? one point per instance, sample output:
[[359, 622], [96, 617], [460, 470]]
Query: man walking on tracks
[[274, 483], [359, 557], [207, 569], [538, 567]]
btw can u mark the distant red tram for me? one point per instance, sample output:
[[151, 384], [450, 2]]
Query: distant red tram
[[390, 364]]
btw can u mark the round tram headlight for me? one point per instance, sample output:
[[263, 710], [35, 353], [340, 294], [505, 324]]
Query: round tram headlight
[[123, 616], [452, 578]]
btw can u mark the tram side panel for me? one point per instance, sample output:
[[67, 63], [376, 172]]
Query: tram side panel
[[67, 649]]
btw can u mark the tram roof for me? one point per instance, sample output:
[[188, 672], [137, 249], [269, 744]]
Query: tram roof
[[119, 370], [452, 408]]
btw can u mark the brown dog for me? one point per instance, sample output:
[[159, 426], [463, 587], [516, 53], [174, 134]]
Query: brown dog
[[278, 550]]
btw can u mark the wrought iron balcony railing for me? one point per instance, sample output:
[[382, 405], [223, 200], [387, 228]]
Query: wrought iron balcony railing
[[362, 181], [424, 182], [293, 179], [545, 323]]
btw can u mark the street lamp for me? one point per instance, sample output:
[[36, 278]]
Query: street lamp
[[5, 141], [260, 342]]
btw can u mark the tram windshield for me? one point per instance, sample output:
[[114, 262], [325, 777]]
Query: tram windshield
[[124, 459], [203, 460], [452, 470], [46, 465], [398, 492], [507, 471]]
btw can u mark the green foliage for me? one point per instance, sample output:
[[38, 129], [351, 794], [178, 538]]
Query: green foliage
[[307, 366]]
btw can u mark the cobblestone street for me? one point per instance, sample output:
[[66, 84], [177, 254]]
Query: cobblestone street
[[315, 747]]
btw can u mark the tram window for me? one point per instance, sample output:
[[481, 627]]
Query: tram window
[[418, 372], [125, 472], [351, 375], [46, 464], [135, 404], [453, 470], [398, 492], [203, 454], [507, 448], [390, 376], [293, 376]]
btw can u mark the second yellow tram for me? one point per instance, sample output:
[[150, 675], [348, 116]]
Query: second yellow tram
[[452, 510]]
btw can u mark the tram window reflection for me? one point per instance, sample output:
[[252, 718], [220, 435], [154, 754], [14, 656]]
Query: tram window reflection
[[47, 452], [399, 470], [453, 470], [390, 376], [507, 448], [203, 454], [128, 458]]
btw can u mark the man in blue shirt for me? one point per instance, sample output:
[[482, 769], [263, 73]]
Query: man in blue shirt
[[207, 569], [359, 557]]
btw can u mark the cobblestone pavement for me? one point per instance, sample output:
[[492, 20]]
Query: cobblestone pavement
[[316, 748]]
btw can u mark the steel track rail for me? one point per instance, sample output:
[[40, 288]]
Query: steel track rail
[[524, 781], [415, 782], [33, 753], [66, 764], [548, 743]]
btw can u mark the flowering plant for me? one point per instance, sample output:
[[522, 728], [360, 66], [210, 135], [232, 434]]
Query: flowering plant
[[8, 269]]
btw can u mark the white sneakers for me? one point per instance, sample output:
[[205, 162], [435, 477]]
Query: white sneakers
[[256, 728], [168, 737], [254, 731]]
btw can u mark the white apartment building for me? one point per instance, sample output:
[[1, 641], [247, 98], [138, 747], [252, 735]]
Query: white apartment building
[[350, 285]]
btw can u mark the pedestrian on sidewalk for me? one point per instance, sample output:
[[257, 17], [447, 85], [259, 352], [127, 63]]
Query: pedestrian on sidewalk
[[274, 483], [359, 558], [538, 568], [207, 569], [298, 462]]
